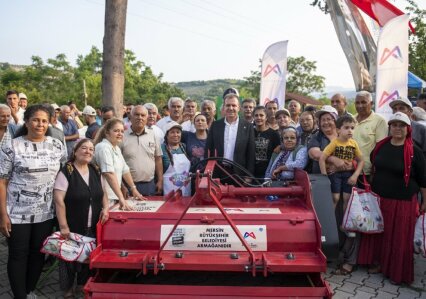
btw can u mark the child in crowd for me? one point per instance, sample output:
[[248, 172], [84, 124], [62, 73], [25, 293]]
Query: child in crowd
[[347, 149]]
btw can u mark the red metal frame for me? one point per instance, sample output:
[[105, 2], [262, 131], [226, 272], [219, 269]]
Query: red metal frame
[[298, 224]]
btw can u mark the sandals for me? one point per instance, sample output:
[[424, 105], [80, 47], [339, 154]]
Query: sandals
[[341, 270]]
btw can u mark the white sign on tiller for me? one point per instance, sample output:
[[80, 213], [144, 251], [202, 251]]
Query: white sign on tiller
[[214, 237]]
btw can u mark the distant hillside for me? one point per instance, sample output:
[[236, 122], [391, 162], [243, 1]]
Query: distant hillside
[[207, 89]]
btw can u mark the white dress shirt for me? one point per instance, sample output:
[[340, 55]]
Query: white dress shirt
[[230, 138]]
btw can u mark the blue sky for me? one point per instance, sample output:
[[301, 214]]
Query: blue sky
[[184, 39]]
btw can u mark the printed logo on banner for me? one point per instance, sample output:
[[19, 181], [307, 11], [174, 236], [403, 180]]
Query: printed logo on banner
[[251, 234], [276, 69], [386, 97], [395, 53]]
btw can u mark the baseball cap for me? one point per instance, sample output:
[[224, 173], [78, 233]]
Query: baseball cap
[[231, 92], [326, 109], [401, 100], [23, 96], [171, 125], [89, 110], [282, 111], [399, 116], [55, 106]]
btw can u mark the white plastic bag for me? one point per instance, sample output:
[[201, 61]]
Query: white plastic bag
[[363, 213], [420, 235], [76, 249]]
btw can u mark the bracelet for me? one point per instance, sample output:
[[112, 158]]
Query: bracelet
[[133, 187]]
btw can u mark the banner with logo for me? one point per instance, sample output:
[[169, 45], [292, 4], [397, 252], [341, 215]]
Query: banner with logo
[[273, 75], [392, 64], [356, 41]]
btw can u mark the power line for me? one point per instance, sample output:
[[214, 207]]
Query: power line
[[192, 17], [222, 15], [228, 42], [243, 18]]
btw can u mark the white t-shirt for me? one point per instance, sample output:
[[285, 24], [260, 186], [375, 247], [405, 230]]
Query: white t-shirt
[[20, 115], [31, 169], [188, 126], [110, 159]]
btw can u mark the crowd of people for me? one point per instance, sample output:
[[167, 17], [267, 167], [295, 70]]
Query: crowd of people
[[84, 162]]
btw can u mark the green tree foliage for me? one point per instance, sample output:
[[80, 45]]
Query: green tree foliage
[[417, 45], [301, 78], [57, 81]]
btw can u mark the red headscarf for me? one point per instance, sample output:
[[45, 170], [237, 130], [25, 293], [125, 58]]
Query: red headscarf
[[408, 153]]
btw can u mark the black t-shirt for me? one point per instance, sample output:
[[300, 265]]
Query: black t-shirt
[[265, 142], [388, 178]]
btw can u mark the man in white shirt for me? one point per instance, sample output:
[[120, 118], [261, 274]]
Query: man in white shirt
[[17, 113], [152, 120], [176, 109], [189, 112], [231, 137]]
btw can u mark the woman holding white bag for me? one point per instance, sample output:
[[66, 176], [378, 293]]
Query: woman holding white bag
[[397, 184], [80, 202]]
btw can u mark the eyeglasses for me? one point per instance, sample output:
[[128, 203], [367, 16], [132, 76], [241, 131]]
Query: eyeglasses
[[289, 138]]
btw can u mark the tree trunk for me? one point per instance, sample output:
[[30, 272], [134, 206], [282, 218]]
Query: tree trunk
[[113, 55]]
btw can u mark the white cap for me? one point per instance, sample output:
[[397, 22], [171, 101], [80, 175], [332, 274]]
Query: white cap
[[55, 106], [327, 109], [171, 125], [89, 110], [401, 100], [399, 116], [22, 96]]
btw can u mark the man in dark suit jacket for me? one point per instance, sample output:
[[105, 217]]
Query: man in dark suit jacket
[[232, 137]]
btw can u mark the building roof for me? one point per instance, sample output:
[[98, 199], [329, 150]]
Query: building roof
[[302, 99]]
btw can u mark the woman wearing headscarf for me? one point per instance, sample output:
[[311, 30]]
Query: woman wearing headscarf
[[397, 184], [293, 156], [28, 168], [307, 128], [176, 164]]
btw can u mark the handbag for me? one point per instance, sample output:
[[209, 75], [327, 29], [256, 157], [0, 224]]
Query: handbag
[[420, 235], [363, 213], [76, 248]]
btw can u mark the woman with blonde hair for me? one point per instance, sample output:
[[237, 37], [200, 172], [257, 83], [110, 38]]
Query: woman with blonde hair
[[112, 164]]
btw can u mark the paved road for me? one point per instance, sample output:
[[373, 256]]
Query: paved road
[[358, 285]]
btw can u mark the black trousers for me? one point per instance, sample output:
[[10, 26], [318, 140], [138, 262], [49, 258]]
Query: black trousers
[[25, 261]]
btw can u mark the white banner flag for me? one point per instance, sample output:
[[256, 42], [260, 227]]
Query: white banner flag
[[392, 64], [274, 71]]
